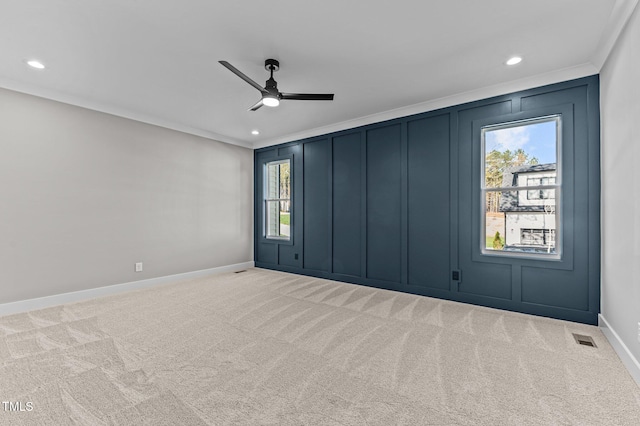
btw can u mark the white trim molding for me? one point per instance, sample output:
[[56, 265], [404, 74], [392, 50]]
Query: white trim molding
[[537, 80], [118, 112], [622, 11], [627, 358], [76, 296]]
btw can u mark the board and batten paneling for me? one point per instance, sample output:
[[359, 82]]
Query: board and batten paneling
[[397, 205], [316, 211], [347, 205], [428, 202], [383, 203]]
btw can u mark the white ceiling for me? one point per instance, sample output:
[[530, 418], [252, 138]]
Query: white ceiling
[[157, 60]]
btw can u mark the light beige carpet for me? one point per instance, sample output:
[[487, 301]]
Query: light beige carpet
[[264, 347]]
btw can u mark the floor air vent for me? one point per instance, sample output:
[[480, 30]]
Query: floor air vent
[[238, 272], [584, 340]]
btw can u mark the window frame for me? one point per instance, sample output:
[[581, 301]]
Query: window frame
[[266, 200], [557, 186]]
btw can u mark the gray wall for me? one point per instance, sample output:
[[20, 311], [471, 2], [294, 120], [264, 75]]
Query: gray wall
[[84, 195], [620, 108]]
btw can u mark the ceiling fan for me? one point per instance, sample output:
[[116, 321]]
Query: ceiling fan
[[270, 94]]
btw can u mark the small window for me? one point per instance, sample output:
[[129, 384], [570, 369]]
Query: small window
[[541, 194], [277, 203], [521, 186]]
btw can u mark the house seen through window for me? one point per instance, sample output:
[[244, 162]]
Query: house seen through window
[[277, 221], [541, 194], [521, 187]]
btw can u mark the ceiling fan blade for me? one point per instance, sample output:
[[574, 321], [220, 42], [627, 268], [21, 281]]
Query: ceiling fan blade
[[239, 73], [256, 106], [307, 96]]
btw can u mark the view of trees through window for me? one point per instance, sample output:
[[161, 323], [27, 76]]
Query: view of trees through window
[[520, 186], [496, 163]]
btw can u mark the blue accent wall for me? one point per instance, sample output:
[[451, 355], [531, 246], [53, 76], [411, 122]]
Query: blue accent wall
[[383, 207], [396, 205], [428, 202], [348, 202]]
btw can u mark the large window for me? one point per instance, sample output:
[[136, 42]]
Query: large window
[[277, 203], [521, 184]]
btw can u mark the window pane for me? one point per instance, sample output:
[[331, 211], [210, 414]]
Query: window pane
[[521, 224], [521, 155], [277, 220], [511, 149], [285, 182], [278, 180], [278, 199]]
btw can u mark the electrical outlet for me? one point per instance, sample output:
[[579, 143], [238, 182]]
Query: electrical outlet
[[139, 267]]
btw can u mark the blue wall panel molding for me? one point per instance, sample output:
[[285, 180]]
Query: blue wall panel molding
[[316, 199], [347, 205], [384, 253], [396, 205], [429, 202]]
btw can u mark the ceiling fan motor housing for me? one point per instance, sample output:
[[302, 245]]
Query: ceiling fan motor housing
[[271, 65]]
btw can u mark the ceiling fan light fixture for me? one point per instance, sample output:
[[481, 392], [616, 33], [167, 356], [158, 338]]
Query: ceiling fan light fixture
[[271, 101]]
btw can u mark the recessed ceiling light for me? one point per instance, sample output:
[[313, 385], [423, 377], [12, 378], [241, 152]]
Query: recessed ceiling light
[[255, 132], [35, 64], [514, 60]]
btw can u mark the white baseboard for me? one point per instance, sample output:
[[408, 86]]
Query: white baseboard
[[76, 296], [629, 361]]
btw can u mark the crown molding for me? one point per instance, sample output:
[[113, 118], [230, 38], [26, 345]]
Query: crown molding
[[118, 112], [620, 14], [448, 101]]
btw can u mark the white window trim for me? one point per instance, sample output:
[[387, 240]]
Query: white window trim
[[557, 255], [266, 200]]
